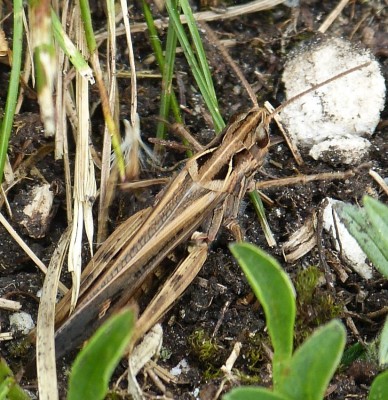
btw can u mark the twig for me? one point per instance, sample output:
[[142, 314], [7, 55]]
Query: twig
[[63, 289], [379, 180], [290, 143], [10, 305], [231, 12], [303, 179], [224, 52], [332, 16]]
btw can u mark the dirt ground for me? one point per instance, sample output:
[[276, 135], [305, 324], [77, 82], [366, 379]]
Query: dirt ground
[[217, 308]]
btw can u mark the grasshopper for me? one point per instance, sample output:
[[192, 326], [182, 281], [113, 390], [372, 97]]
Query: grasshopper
[[208, 190]]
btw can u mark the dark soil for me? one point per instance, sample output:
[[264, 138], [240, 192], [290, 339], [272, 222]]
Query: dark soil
[[218, 305]]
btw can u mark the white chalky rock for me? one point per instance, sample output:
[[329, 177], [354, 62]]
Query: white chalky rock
[[344, 241], [332, 121], [21, 322]]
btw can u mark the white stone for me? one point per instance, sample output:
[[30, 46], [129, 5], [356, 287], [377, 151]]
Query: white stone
[[352, 253], [345, 109], [182, 366], [21, 322], [346, 149]]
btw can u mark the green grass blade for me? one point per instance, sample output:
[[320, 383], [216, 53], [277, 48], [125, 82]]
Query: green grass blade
[[312, 366], [69, 49], [96, 362], [88, 26], [199, 50], [166, 101], [259, 208], [13, 87], [167, 91], [274, 290], [197, 72]]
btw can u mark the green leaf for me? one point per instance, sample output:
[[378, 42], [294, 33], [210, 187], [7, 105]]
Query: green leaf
[[383, 348], [308, 373], [12, 91], [274, 290], [352, 353], [5, 385], [379, 388], [369, 226], [95, 364], [252, 393], [9, 388]]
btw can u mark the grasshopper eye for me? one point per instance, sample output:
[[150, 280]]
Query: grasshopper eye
[[262, 134]]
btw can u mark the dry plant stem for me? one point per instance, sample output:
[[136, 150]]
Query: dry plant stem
[[352, 326], [45, 341], [378, 313], [332, 16], [84, 190], [321, 252], [6, 336], [224, 52], [62, 288], [227, 368], [290, 143], [181, 131], [379, 180], [107, 179], [124, 8], [231, 12], [10, 305], [105, 101], [304, 179], [220, 318]]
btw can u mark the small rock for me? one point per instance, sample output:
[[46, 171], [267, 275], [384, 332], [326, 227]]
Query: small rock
[[332, 121], [21, 322], [182, 366], [38, 210], [352, 253]]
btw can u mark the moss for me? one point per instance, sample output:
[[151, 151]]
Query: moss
[[204, 347], [20, 348], [253, 351], [247, 379], [305, 283], [315, 305], [212, 373]]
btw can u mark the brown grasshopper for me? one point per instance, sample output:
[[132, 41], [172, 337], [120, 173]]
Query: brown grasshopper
[[208, 189]]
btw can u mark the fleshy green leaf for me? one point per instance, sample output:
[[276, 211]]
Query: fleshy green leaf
[[308, 373], [383, 349], [9, 388], [274, 290], [252, 393], [379, 388], [95, 364], [369, 226]]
